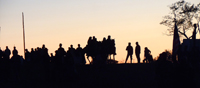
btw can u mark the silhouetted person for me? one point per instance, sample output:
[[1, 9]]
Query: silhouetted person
[[59, 54], [72, 52], [109, 45], [94, 47], [44, 54], [61, 50], [88, 48], [147, 55], [15, 64], [1, 54], [113, 48], [6, 64], [89, 40], [108, 41], [72, 49], [129, 49], [7, 53], [70, 60], [104, 51], [33, 55], [15, 52], [27, 55], [110, 48], [80, 54], [137, 52], [52, 58]]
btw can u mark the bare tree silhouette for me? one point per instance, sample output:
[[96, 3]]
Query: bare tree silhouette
[[186, 15]]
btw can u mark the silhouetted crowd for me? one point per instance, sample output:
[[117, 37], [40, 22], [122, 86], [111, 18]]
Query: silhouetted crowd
[[100, 51], [62, 63]]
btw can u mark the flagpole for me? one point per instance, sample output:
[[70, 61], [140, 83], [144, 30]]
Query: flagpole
[[0, 37], [176, 42], [23, 33]]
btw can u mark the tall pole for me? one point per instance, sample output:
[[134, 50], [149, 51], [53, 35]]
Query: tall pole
[[23, 33], [0, 37]]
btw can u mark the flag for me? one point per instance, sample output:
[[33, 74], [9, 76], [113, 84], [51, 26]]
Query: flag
[[176, 42], [198, 28]]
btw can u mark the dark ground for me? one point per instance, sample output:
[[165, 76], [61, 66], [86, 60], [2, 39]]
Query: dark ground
[[120, 75], [88, 76]]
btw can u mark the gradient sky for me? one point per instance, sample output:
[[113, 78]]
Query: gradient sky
[[51, 22]]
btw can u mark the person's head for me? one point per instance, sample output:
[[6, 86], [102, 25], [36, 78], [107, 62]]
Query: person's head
[[51, 54], [43, 46], [90, 37], [145, 48], [104, 39], [6, 47], [94, 38], [14, 48], [79, 45], [136, 43], [71, 46], [129, 44], [109, 37], [60, 44]]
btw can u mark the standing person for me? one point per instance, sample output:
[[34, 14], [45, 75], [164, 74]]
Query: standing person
[[137, 52], [15, 52], [7, 53], [61, 51], [6, 64], [80, 55], [129, 49], [15, 65], [1, 54]]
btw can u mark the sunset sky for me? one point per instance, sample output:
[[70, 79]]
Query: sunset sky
[[51, 22]]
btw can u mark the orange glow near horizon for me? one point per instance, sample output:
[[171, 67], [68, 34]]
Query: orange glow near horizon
[[72, 22]]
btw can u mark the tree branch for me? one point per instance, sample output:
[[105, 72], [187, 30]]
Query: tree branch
[[183, 34]]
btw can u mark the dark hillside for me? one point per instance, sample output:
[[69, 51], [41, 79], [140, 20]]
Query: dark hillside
[[104, 76], [120, 75]]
